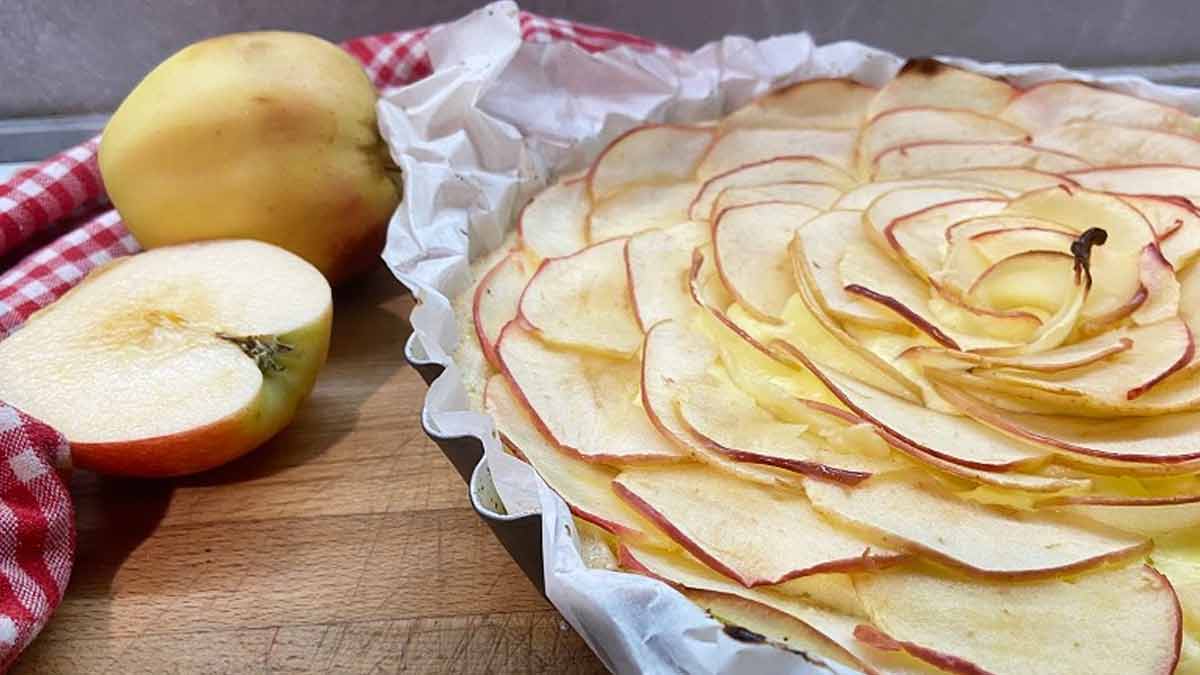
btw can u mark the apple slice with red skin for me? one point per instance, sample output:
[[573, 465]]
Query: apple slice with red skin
[[750, 247], [933, 157], [861, 196], [583, 301], [748, 532], [639, 208], [658, 263], [1162, 288], [1109, 144], [1144, 519], [949, 437], [586, 487], [740, 147], [920, 238], [917, 514], [891, 206], [584, 403], [817, 195], [929, 82], [904, 126], [1150, 178], [1163, 443], [554, 223], [1165, 214], [820, 104], [497, 298], [767, 172], [1073, 355], [656, 153], [1051, 625], [1053, 104]]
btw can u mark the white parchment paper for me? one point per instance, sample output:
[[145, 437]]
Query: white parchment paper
[[498, 120]]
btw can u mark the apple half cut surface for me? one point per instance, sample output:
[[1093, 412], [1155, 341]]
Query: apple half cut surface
[[175, 360]]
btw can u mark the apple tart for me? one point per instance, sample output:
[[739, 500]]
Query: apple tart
[[903, 378]]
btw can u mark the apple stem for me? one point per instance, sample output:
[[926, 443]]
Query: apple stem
[[262, 348], [1081, 248]]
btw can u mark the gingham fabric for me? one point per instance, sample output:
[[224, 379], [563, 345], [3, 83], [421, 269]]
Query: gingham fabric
[[55, 226]]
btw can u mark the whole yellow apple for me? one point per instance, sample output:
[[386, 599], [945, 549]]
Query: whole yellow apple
[[267, 135]]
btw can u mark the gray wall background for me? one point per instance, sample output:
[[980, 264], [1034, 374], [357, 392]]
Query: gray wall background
[[82, 56]]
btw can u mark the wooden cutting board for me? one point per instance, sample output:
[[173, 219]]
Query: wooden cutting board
[[346, 544]]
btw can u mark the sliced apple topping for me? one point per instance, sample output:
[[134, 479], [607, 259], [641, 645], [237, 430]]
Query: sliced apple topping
[[1054, 104], [769, 537], [583, 300], [1119, 621], [554, 223], [1106, 144], [585, 487], [821, 104], [930, 158], [929, 82], [750, 244], [816, 195], [765, 173], [903, 126], [638, 209], [585, 403], [658, 263], [655, 154], [741, 147], [497, 298]]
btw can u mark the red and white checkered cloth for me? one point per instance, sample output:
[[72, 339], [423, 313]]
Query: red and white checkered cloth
[[56, 225]]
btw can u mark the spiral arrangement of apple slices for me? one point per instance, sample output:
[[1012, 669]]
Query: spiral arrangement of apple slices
[[902, 378]]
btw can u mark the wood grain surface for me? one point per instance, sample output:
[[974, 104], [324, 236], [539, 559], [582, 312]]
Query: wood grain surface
[[345, 545]]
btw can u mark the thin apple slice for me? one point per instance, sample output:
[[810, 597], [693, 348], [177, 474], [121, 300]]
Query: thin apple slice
[[1162, 288], [584, 403], [949, 437], [767, 172], [750, 246], [496, 300], [817, 195], [1074, 355], [639, 208], [891, 206], [935, 157], [1181, 247], [1053, 104], [658, 263], [1014, 180], [860, 197], [732, 424], [1114, 265], [820, 104], [1159, 350], [657, 153], [583, 301], [1165, 214], [740, 147], [818, 248], [1168, 442], [585, 487], [921, 238], [1039, 279], [1148, 520], [1112, 145], [904, 126], [1122, 621], [912, 510], [1150, 178], [554, 223], [929, 82], [748, 532], [1007, 480]]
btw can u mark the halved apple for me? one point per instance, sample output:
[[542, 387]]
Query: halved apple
[[918, 515], [584, 403], [1117, 621], [639, 208], [175, 360], [585, 487], [934, 157], [767, 172], [584, 301], [1107, 144], [1053, 104], [950, 437], [821, 104], [655, 153], [740, 147], [816, 195], [658, 263], [748, 532], [904, 126], [750, 247], [929, 82], [554, 223], [497, 298]]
